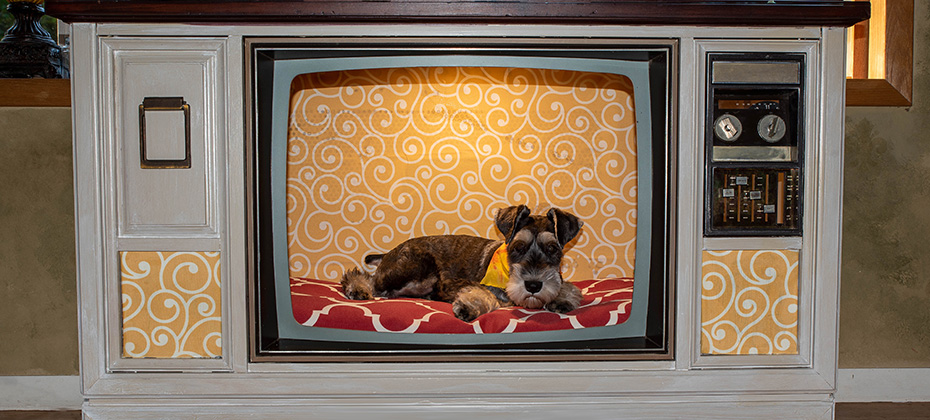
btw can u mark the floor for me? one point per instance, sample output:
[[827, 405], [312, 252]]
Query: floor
[[40, 415], [883, 411], [844, 411]]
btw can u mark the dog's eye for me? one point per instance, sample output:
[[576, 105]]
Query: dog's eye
[[518, 246], [552, 249]]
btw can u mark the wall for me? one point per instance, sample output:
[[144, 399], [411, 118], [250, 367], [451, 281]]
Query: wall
[[884, 315], [38, 297]]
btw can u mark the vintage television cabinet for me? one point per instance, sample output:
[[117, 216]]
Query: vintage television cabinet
[[232, 159]]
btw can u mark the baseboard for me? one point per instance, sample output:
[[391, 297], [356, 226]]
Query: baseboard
[[40, 393], [881, 385], [853, 385]]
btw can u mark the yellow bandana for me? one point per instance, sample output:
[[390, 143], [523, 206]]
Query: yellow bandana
[[498, 271]]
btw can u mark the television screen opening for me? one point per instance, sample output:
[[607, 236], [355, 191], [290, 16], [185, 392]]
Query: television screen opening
[[356, 154]]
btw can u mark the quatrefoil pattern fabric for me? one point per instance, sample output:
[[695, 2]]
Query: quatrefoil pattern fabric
[[319, 303]]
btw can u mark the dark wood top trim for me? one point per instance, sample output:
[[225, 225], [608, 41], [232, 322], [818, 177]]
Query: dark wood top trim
[[627, 12]]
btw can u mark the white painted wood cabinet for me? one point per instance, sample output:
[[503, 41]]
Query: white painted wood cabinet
[[188, 83]]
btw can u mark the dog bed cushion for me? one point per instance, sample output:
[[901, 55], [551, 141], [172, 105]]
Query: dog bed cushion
[[318, 303]]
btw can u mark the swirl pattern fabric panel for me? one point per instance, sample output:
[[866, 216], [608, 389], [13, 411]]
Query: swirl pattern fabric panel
[[378, 156], [749, 302], [171, 304]]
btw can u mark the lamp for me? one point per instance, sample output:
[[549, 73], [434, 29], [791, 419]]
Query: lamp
[[27, 50]]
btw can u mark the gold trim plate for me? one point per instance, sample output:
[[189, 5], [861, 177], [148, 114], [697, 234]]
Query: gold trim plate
[[163, 104]]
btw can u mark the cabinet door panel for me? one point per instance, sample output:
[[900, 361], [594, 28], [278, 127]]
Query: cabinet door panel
[[166, 118]]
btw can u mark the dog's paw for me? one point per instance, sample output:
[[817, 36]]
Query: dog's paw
[[562, 307], [356, 285], [472, 302], [464, 312], [356, 294], [568, 300]]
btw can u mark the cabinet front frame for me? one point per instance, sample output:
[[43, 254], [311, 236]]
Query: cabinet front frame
[[106, 374]]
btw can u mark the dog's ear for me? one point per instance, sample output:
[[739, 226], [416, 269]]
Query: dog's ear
[[566, 225], [511, 219]]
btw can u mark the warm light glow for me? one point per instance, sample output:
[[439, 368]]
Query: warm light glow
[[877, 40], [866, 43]]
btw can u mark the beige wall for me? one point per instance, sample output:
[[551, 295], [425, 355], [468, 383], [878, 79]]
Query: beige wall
[[885, 299], [38, 298], [885, 296]]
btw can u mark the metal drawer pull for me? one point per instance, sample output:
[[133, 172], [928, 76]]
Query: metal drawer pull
[[160, 105]]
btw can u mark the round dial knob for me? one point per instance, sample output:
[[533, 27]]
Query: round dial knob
[[772, 128], [728, 128]]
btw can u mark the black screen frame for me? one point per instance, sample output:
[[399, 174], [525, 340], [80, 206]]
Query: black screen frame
[[656, 344]]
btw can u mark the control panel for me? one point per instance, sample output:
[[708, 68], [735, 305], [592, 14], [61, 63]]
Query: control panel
[[753, 143]]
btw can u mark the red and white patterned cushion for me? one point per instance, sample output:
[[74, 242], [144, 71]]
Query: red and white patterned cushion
[[319, 303]]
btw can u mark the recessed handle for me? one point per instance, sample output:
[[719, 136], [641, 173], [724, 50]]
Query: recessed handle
[[165, 104]]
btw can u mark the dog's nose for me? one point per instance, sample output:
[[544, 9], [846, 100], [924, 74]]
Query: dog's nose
[[532, 286]]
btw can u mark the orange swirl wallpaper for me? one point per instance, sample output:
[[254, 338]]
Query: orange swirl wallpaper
[[377, 156], [749, 302], [171, 304]]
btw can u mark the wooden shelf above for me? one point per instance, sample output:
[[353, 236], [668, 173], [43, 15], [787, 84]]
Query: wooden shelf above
[[880, 56], [631, 12]]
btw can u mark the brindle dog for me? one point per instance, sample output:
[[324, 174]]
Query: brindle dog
[[450, 268]]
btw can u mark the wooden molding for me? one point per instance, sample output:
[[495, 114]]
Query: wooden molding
[[881, 54], [875, 92], [631, 12], [35, 92]]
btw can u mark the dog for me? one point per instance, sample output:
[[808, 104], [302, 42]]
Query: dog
[[479, 275]]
